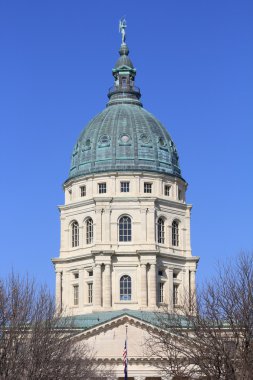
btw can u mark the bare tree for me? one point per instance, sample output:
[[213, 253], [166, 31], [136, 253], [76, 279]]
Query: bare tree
[[35, 342], [215, 339]]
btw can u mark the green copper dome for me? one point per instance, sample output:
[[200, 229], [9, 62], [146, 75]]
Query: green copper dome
[[124, 136]]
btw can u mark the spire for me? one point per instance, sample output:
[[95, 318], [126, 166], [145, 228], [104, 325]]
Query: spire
[[124, 89]]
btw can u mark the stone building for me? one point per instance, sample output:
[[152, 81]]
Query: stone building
[[125, 227]]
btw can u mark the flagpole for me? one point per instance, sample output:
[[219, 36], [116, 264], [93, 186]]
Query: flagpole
[[126, 359]]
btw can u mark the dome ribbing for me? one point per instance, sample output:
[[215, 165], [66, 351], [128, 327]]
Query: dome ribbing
[[124, 137]]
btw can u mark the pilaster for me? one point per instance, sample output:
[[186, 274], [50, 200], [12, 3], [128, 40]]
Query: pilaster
[[107, 286], [143, 285], [58, 291], [97, 287], [153, 286]]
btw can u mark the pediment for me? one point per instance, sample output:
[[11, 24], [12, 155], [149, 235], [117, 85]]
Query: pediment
[[107, 340], [123, 320]]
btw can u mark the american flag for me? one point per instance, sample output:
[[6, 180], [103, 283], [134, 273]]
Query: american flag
[[125, 359]]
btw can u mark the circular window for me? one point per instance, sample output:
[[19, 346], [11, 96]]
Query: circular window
[[125, 138], [104, 139], [145, 139]]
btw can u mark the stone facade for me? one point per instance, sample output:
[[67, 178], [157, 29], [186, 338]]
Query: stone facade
[[155, 265]]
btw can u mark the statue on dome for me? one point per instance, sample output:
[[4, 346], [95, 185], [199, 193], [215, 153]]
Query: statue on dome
[[122, 29]]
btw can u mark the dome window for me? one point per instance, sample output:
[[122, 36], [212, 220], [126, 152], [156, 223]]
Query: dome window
[[104, 140], [88, 143], [145, 139], [124, 139], [162, 141]]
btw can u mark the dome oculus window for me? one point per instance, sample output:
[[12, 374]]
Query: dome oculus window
[[125, 288], [124, 139], [162, 141], [145, 139], [104, 140]]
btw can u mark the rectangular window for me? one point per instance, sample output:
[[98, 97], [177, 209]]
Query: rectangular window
[[91, 273], [167, 190], [76, 275], [147, 187], [179, 194], [175, 295], [76, 294], [90, 293], [124, 187], [83, 191], [102, 188], [124, 82], [161, 287]]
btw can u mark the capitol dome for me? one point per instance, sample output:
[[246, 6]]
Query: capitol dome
[[124, 136]]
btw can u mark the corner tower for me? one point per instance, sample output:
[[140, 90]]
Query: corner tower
[[125, 224]]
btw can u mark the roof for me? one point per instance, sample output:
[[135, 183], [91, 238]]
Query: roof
[[124, 136], [88, 321]]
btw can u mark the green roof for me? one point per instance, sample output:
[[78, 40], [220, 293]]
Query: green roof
[[87, 321], [124, 136]]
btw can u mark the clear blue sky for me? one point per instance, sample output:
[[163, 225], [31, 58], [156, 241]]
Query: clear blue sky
[[194, 61]]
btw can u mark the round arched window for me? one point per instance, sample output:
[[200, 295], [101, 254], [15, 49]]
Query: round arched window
[[125, 288], [75, 234], [89, 231], [160, 231], [175, 233], [125, 229]]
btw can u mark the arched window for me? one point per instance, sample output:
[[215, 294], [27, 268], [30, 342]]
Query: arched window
[[160, 231], [75, 234], [125, 288], [125, 229], [175, 233], [89, 231]]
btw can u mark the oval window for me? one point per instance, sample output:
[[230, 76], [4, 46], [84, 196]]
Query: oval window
[[125, 138], [104, 139]]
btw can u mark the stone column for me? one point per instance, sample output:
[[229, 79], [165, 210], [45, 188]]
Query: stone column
[[169, 288], [81, 288], [186, 287], [58, 291], [143, 285], [192, 290], [153, 287], [107, 286], [97, 286]]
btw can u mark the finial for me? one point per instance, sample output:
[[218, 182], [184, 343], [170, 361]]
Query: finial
[[122, 30]]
